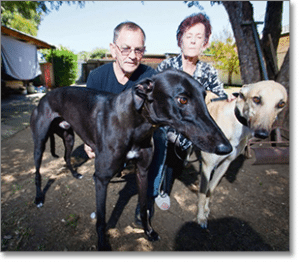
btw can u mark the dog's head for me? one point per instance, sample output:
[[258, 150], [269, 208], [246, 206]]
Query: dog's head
[[175, 99], [259, 104]]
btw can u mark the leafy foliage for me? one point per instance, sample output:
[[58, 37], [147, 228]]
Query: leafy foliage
[[198, 5], [21, 15], [225, 56], [26, 16], [84, 55], [194, 3], [64, 65], [97, 53]]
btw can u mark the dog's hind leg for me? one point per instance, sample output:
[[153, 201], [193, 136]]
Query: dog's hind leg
[[69, 138], [52, 145], [40, 125], [39, 149], [40, 139]]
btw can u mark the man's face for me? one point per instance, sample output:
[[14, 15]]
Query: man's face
[[128, 50]]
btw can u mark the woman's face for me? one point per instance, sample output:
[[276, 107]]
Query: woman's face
[[193, 40]]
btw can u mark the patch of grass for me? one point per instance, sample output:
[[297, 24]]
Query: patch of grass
[[41, 248], [16, 188], [72, 220]]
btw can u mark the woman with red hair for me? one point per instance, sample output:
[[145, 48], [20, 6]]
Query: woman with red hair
[[192, 38]]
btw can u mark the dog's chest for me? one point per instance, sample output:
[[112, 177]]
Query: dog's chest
[[132, 154], [238, 145]]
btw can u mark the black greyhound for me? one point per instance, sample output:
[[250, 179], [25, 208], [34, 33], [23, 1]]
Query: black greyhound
[[120, 127]]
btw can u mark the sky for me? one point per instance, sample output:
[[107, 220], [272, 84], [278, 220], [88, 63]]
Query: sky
[[90, 27]]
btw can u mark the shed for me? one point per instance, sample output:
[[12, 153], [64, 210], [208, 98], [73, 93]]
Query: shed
[[19, 54]]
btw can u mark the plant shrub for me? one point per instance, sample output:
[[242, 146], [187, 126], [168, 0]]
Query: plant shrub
[[64, 66]]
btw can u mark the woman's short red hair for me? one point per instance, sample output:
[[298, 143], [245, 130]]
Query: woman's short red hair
[[189, 22]]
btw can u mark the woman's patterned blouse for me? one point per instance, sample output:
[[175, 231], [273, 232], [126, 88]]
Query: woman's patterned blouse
[[205, 74]]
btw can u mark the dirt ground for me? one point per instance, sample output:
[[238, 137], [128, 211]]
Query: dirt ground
[[249, 210]]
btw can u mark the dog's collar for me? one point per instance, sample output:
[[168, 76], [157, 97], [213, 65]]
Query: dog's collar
[[240, 118], [146, 114]]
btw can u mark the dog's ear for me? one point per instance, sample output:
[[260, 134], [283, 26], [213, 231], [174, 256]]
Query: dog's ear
[[142, 92], [244, 90]]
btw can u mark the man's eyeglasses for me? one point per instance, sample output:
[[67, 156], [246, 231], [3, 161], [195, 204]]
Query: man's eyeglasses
[[125, 51]]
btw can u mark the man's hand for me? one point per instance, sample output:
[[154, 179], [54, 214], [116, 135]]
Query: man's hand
[[89, 151], [178, 139]]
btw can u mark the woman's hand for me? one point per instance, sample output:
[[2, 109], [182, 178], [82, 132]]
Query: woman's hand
[[230, 97]]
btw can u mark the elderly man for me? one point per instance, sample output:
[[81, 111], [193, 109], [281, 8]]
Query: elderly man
[[127, 49]]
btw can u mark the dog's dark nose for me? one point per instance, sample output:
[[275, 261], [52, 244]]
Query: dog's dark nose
[[262, 133], [223, 149]]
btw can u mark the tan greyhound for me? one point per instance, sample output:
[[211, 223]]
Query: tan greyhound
[[251, 114]]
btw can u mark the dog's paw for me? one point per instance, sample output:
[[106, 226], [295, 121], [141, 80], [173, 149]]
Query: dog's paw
[[202, 222], [78, 176], [105, 247], [202, 216], [39, 205], [39, 201], [152, 236], [104, 244]]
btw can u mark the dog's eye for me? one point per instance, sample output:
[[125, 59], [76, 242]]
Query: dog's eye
[[281, 104], [182, 100], [256, 100]]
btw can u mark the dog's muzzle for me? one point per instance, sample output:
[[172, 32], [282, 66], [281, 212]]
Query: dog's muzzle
[[262, 133]]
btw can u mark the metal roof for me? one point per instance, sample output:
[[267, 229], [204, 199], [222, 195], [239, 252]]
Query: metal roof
[[26, 38]]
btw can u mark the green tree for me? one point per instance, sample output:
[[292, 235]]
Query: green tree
[[98, 53], [21, 15], [64, 65], [240, 15], [26, 16], [226, 57], [84, 55]]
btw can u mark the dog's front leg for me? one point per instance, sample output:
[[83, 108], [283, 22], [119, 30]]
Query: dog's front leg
[[101, 178], [142, 182], [203, 198]]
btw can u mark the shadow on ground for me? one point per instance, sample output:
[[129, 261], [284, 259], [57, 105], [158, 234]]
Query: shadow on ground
[[225, 234]]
